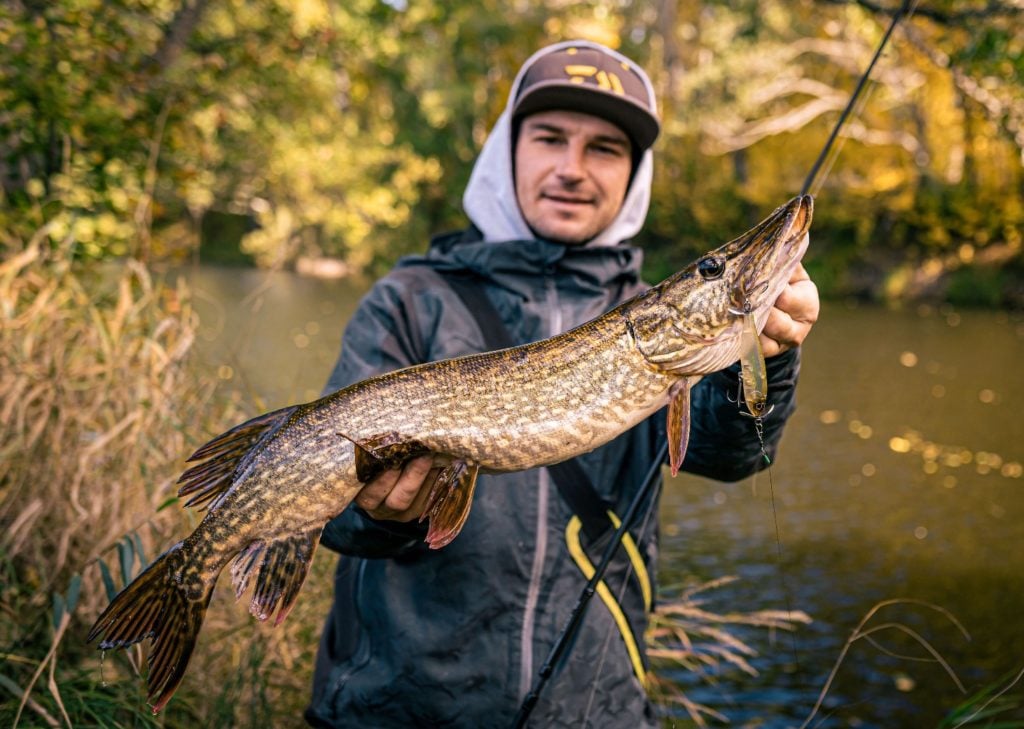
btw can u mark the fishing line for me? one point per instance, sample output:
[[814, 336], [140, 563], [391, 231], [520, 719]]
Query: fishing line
[[786, 594], [829, 152], [905, 10], [837, 148]]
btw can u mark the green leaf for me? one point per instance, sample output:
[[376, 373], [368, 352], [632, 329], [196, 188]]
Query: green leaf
[[137, 541], [126, 553], [58, 610], [108, 580], [167, 502], [74, 588]]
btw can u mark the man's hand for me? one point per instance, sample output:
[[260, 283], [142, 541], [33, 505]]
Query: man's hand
[[792, 316], [399, 495]]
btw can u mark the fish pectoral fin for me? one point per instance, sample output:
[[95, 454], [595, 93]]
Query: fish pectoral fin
[[448, 504], [678, 424], [280, 567], [382, 452], [222, 455]]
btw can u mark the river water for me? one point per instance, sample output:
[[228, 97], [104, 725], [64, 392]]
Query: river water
[[899, 479]]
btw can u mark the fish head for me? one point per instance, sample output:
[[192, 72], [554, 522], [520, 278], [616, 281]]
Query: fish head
[[690, 324]]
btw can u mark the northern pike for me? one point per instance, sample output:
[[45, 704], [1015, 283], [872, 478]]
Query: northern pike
[[271, 484]]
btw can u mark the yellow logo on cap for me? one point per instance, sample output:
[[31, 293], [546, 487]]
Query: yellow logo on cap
[[607, 81]]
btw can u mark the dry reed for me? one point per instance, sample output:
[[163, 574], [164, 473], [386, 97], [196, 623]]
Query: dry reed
[[91, 389], [684, 635], [99, 403]]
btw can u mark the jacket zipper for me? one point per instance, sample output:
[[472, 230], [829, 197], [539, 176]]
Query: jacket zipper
[[361, 656], [526, 671]]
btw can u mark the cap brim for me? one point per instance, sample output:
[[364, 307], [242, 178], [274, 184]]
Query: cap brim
[[636, 121]]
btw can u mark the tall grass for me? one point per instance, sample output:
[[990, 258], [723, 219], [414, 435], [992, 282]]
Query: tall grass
[[99, 402]]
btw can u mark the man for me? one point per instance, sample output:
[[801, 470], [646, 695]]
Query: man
[[456, 637]]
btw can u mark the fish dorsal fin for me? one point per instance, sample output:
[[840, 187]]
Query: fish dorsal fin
[[451, 496], [223, 455], [678, 424], [382, 452], [280, 568]]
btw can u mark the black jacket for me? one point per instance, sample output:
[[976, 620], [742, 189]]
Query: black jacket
[[455, 637]]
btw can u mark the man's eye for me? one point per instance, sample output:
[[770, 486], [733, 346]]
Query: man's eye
[[711, 267]]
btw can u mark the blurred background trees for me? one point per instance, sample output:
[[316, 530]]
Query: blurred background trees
[[315, 127]]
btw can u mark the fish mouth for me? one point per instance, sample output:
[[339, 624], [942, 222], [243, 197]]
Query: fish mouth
[[706, 303], [765, 256]]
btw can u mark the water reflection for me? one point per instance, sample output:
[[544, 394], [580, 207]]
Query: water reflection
[[275, 334]]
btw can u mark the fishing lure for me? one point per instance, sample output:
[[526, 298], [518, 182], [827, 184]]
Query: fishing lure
[[753, 370]]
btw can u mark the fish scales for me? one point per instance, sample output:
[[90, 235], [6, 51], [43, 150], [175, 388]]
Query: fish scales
[[508, 412], [270, 485]]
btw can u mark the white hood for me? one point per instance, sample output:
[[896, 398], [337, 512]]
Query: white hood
[[490, 197]]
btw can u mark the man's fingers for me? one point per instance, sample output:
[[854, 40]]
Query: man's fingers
[[409, 484], [800, 301], [799, 274], [794, 313], [782, 332], [416, 510], [373, 494], [396, 494]]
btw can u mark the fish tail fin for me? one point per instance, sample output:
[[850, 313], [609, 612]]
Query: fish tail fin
[[222, 456], [281, 567], [155, 605]]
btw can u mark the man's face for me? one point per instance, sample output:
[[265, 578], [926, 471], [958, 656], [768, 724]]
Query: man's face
[[572, 171]]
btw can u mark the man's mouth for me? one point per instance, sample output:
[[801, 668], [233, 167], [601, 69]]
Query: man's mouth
[[563, 199]]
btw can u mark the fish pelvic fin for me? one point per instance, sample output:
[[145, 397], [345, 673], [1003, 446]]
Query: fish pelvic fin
[[678, 424], [156, 605], [223, 455], [448, 504], [280, 568]]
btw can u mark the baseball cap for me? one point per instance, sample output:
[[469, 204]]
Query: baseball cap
[[595, 80]]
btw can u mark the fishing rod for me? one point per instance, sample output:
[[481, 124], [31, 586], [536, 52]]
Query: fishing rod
[[861, 83], [561, 645]]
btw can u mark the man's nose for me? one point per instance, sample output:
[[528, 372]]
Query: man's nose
[[570, 164]]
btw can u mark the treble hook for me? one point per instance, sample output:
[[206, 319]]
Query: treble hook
[[739, 402]]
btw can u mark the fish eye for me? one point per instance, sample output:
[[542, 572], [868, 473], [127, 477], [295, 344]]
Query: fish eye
[[711, 267]]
